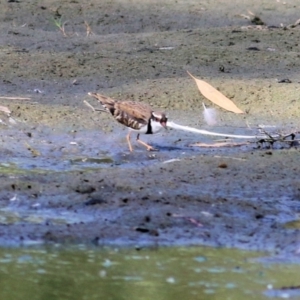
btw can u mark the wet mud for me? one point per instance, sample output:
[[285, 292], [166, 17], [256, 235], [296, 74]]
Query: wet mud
[[66, 173]]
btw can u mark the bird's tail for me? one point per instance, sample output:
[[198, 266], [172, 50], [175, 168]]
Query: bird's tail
[[106, 102]]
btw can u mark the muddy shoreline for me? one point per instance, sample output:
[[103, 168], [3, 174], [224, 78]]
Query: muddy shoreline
[[67, 175]]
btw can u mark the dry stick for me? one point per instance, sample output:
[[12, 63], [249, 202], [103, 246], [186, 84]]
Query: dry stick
[[33, 151], [89, 105], [219, 145], [93, 108], [279, 138], [294, 25], [88, 29], [192, 220], [229, 157], [14, 98]]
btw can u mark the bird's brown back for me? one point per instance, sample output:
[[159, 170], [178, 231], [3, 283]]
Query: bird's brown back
[[129, 113]]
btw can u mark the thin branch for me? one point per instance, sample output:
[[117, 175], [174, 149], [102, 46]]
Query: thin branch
[[229, 157], [281, 138], [88, 29], [93, 108], [219, 145], [14, 98]]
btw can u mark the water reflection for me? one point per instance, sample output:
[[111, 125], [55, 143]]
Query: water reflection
[[168, 273]]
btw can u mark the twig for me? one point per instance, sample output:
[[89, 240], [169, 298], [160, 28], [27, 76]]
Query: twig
[[89, 105], [93, 108], [294, 25], [234, 158], [14, 98], [283, 138], [88, 29], [192, 220], [33, 151], [219, 144]]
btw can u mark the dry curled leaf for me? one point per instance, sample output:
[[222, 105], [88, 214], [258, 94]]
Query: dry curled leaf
[[215, 96]]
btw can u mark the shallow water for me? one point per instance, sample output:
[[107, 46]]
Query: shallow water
[[165, 273], [47, 151]]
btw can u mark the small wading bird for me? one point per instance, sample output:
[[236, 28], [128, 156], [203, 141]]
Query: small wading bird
[[137, 116]]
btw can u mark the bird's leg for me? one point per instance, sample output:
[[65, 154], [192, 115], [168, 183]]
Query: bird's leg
[[149, 148], [128, 141]]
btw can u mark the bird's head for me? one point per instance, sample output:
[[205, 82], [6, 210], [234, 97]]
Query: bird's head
[[160, 118]]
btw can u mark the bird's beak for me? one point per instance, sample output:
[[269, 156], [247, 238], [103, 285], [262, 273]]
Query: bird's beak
[[164, 124]]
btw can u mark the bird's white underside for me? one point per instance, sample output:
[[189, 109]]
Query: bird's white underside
[[156, 127]]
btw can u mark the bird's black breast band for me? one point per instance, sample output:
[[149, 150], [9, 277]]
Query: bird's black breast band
[[149, 127]]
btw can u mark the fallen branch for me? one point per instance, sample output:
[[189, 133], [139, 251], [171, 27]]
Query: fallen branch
[[219, 145], [281, 138], [14, 98]]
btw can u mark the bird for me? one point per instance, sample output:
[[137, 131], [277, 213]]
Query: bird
[[137, 116]]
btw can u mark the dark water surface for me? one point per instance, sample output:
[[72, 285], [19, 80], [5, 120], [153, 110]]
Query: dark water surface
[[165, 273]]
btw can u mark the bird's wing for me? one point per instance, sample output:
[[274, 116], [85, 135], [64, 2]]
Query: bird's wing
[[140, 112], [129, 113]]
